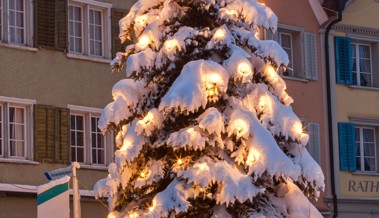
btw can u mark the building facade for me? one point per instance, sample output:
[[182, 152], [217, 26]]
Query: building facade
[[54, 80], [299, 34], [354, 73]]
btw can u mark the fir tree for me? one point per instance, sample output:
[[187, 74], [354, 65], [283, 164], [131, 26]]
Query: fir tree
[[203, 123]]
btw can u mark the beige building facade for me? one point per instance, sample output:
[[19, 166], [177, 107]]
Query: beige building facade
[[54, 80]]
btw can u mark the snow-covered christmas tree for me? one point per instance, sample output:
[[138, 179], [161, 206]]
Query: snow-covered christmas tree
[[203, 123]]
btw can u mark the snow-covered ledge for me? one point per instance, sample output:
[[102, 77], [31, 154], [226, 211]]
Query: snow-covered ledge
[[19, 161]]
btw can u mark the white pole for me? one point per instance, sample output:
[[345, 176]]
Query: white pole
[[75, 186]]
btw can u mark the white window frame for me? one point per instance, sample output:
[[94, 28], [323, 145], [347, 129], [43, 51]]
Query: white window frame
[[1, 130], [82, 28], [108, 140], [361, 148], [27, 105], [86, 6], [297, 54], [28, 24], [357, 63], [280, 34]]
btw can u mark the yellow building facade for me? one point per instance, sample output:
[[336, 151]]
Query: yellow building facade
[[355, 107]]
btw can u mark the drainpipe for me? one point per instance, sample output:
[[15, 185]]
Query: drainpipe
[[330, 123]]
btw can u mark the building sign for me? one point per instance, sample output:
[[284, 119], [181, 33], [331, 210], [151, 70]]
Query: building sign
[[358, 185]]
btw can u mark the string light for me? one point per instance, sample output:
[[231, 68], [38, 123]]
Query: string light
[[144, 41], [233, 13], [148, 118], [298, 127], [112, 214], [203, 166], [252, 157], [244, 68], [180, 162], [262, 102], [144, 174], [257, 33], [140, 20], [133, 215], [125, 145], [169, 44], [154, 203], [239, 129], [220, 34], [270, 71]]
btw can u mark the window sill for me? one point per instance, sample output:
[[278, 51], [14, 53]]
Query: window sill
[[18, 46], [295, 79], [366, 173], [88, 58], [18, 161], [364, 87], [93, 167]]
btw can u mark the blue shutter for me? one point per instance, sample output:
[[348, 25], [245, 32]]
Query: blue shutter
[[344, 65], [346, 139]]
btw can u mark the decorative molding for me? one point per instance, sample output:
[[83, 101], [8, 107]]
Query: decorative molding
[[357, 30]]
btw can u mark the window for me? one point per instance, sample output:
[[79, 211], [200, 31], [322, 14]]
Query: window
[[89, 28], [365, 149], [355, 63], [16, 128], [301, 49], [285, 40], [16, 21], [88, 144], [362, 70]]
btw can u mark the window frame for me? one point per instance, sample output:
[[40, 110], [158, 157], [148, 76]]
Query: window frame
[[298, 53], [361, 149], [280, 34], [15, 26], [357, 63], [9, 132], [28, 24], [105, 10], [1, 131], [108, 141], [5, 104], [81, 27]]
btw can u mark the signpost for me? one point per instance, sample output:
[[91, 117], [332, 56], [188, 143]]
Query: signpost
[[69, 171]]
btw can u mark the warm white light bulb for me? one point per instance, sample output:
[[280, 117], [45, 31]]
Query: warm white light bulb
[[148, 118], [112, 215], [125, 145], [180, 161], [170, 44], [262, 102], [143, 41], [220, 34], [243, 68], [298, 127], [133, 215], [239, 128], [271, 72]]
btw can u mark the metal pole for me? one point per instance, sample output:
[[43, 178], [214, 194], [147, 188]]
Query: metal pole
[[75, 186]]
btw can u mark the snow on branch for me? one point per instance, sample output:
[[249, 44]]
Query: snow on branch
[[234, 185], [198, 81]]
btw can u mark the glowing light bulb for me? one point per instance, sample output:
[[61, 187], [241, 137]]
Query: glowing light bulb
[[143, 41], [203, 166], [112, 214], [148, 118], [214, 78], [233, 13], [252, 157], [125, 145], [244, 68], [140, 20], [144, 174], [154, 203], [298, 127], [262, 102], [133, 215], [239, 128], [169, 44], [211, 92], [271, 72], [180, 161], [256, 33], [220, 34]]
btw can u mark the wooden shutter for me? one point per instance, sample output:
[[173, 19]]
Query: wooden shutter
[[311, 70], [51, 24], [117, 15], [347, 147], [51, 134], [314, 141], [344, 67]]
